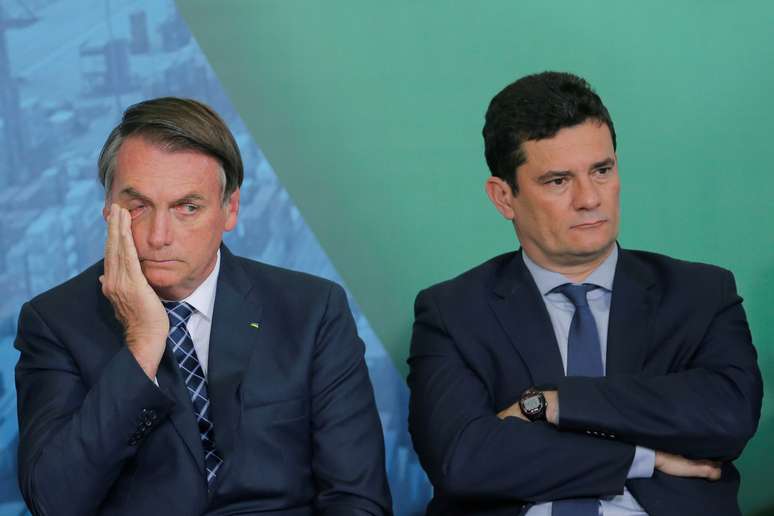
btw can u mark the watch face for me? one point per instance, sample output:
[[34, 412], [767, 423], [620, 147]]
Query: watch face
[[532, 403]]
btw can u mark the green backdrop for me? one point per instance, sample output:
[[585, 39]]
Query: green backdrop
[[371, 113]]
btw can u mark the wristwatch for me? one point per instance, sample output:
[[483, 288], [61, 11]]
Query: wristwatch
[[533, 405]]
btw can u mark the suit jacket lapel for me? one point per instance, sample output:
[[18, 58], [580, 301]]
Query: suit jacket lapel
[[231, 345], [182, 415], [630, 325], [520, 309]]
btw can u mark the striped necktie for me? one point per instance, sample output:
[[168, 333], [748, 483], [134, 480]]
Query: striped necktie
[[179, 340]]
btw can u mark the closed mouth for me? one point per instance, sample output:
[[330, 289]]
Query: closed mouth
[[589, 225]]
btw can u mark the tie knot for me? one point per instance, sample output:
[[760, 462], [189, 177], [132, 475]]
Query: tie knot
[[178, 312], [576, 293]]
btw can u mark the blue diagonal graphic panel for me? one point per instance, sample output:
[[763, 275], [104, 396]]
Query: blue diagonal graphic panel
[[63, 86]]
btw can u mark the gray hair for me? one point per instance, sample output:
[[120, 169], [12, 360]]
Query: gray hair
[[176, 124]]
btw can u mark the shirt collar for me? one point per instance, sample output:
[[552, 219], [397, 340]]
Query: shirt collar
[[203, 298], [547, 280]]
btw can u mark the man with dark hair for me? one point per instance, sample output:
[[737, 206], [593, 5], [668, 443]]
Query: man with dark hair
[[174, 378], [573, 377]]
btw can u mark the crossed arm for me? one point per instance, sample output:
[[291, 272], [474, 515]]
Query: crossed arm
[[471, 449], [669, 463]]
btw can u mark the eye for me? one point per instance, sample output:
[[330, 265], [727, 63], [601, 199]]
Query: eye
[[557, 181], [603, 171], [188, 208], [136, 209]]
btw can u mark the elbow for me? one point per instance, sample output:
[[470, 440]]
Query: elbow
[[474, 480], [27, 494], [31, 491], [44, 488], [456, 483], [738, 434], [463, 475], [436, 461], [737, 421], [732, 429], [439, 458], [743, 418]]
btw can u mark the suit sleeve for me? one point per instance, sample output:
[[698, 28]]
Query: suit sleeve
[[74, 439], [469, 453], [709, 409], [348, 449]]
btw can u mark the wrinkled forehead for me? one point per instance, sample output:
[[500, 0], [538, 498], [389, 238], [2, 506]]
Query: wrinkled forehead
[[150, 167]]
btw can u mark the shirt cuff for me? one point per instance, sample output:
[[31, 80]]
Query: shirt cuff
[[643, 464]]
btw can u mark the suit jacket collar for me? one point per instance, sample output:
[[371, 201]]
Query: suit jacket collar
[[231, 336], [235, 330], [520, 309], [632, 308]]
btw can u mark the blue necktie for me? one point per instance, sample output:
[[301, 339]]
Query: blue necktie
[[584, 358], [179, 340]]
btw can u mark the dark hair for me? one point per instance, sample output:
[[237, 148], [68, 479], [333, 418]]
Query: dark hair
[[176, 124], [536, 107]]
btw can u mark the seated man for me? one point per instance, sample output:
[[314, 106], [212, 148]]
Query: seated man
[[174, 378], [573, 377]]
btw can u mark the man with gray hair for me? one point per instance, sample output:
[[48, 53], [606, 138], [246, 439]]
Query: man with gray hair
[[176, 378]]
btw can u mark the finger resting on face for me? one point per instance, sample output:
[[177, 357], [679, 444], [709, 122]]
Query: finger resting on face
[[113, 226], [130, 251], [119, 241], [127, 244], [111, 244]]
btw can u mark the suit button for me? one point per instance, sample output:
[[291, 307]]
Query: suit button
[[152, 415]]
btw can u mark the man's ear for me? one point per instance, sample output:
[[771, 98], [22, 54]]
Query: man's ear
[[501, 195], [232, 207]]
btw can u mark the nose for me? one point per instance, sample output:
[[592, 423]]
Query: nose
[[160, 231], [586, 194]]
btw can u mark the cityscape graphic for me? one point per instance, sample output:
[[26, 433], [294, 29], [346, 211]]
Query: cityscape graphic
[[68, 69]]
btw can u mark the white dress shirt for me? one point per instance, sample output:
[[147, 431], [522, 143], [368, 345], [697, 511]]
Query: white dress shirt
[[202, 300]]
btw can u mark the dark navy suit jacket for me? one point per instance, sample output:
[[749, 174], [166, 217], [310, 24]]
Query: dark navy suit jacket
[[293, 407], [682, 377]]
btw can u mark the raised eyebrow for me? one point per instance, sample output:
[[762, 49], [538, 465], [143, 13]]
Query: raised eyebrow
[[190, 197]]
